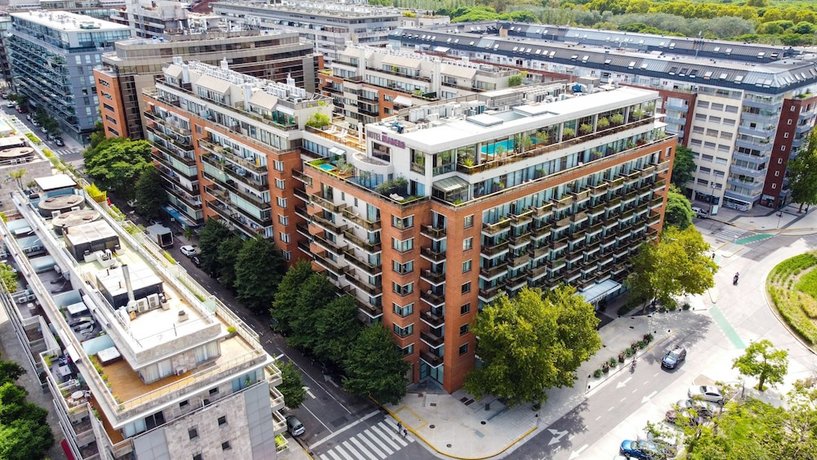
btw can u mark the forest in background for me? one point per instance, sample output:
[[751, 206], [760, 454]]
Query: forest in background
[[755, 21]]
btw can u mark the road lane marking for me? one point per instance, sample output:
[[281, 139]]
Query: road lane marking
[[316, 418], [309, 393], [353, 451], [576, 453], [622, 399], [339, 449], [363, 449], [320, 386], [636, 389], [656, 374], [386, 437], [647, 398], [369, 445], [360, 420], [379, 442], [646, 382], [611, 408], [597, 418], [334, 455]]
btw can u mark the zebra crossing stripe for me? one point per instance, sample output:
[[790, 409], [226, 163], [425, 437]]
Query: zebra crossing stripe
[[340, 451], [393, 427], [352, 450], [375, 447], [333, 455], [378, 441], [387, 437], [363, 449]]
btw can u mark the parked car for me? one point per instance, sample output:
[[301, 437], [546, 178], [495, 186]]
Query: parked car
[[706, 393], [196, 261], [294, 426], [189, 250], [702, 408], [642, 450], [10, 104], [699, 213], [674, 357], [59, 142]]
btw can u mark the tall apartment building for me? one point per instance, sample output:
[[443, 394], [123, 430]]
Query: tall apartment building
[[367, 83], [139, 360], [134, 65], [228, 146], [158, 19], [100, 9], [432, 215], [744, 109], [5, 68], [329, 25], [52, 55]]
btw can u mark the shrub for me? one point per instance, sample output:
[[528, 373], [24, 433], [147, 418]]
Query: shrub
[[612, 362], [169, 257], [568, 133], [603, 123], [585, 128], [617, 119], [231, 330], [34, 139], [598, 373]]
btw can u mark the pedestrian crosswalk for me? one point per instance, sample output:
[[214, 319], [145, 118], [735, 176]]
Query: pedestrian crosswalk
[[377, 442], [66, 152]]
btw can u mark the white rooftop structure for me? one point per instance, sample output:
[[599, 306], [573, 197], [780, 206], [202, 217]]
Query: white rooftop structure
[[69, 22], [55, 182]]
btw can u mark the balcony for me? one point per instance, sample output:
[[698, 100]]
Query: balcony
[[365, 286], [497, 228], [233, 217], [431, 340], [435, 300], [433, 277], [232, 186], [361, 262], [431, 359], [433, 233], [432, 320], [519, 260], [328, 264], [228, 153], [366, 246], [536, 273], [327, 204], [362, 222], [493, 249], [433, 255], [493, 272], [300, 176], [489, 293], [372, 311]]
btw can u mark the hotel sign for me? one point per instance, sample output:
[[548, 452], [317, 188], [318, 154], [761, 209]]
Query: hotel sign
[[384, 138]]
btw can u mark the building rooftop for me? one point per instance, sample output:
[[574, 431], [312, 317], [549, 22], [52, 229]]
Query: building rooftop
[[55, 182], [69, 22], [443, 133], [761, 68], [318, 9]]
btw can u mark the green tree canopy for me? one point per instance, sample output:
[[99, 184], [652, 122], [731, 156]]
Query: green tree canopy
[[531, 343], [150, 195], [802, 171], [678, 263], [315, 294], [227, 256], [258, 270], [115, 164], [763, 361], [212, 235], [24, 430], [683, 166], [679, 210], [336, 326], [292, 387], [374, 367], [284, 307]]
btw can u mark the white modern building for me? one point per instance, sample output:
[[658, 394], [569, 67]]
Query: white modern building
[[140, 360]]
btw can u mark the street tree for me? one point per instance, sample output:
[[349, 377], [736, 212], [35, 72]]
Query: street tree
[[212, 235], [227, 256], [679, 210], [375, 368], [24, 431], [802, 171], [678, 263], [683, 166], [115, 164], [8, 277], [292, 386], [532, 342], [150, 195], [284, 308], [763, 361], [315, 294], [336, 326], [259, 268]]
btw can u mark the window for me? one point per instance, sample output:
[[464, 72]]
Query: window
[[213, 391], [278, 165], [407, 267], [774, 186], [465, 309], [463, 349], [466, 288], [197, 457], [402, 223], [780, 161], [284, 237], [183, 404], [466, 266], [403, 289], [469, 221], [225, 445], [785, 135], [467, 243], [282, 202], [402, 245], [463, 329], [403, 331], [283, 220], [788, 122], [782, 148], [193, 433], [777, 174], [280, 183], [222, 421], [403, 311], [409, 350]]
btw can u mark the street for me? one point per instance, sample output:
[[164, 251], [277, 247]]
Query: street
[[71, 152]]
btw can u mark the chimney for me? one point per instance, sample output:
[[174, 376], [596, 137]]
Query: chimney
[[126, 275]]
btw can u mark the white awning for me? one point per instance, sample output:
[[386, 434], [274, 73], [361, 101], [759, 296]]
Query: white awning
[[77, 308], [403, 100], [451, 184]]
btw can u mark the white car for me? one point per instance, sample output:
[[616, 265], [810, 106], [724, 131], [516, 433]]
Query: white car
[[189, 250], [706, 393], [11, 104]]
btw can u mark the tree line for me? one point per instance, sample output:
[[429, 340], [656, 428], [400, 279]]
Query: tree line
[[24, 430]]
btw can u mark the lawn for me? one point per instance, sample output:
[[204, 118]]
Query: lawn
[[792, 286]]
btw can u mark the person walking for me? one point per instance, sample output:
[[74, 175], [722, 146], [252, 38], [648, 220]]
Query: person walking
[[399, 427], [405, 432]]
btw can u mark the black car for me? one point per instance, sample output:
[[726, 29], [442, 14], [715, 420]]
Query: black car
[[674, 357]]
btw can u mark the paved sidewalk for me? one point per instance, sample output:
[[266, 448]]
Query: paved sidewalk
[[458, 426], [765, 220], [294, 451]]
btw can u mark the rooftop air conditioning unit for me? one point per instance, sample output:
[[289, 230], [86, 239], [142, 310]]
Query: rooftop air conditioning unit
[[55, 214], [143, 305], [153, 301]]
